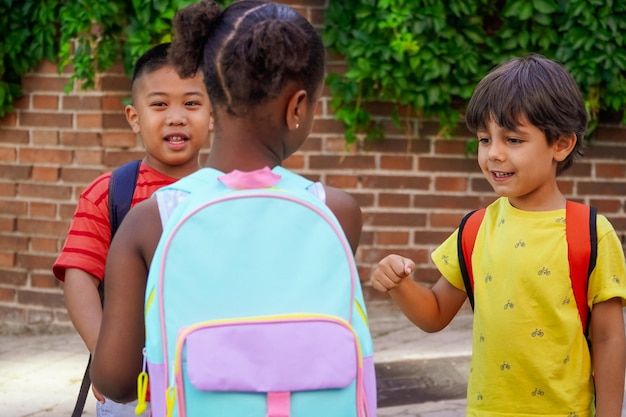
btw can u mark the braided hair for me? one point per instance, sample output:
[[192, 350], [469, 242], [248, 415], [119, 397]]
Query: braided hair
[[248, 51]]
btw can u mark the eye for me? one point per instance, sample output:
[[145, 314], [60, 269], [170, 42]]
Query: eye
[[158, 104], [484, 140], [193, 103], [514, 141]]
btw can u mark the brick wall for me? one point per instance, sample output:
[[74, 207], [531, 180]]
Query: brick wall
[[413, 188]]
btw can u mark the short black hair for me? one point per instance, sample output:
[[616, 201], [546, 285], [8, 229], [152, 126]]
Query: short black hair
[[249, 51], [153, 59], [537, 88]]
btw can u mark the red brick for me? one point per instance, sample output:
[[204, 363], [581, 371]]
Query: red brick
[[7, 224], [430, 164], [39, 119], [342, 181], [114, 102], [295, 162], [41, 155], [35, 261], [459, 184], [8, 120], [125, 139], [88, 157], [14, 315], [8, 154], [8, 189], [47, 67], [43, 244], [7, 295], [394, 238], [89, 121], [39, 209], [38, 298], [55, 192], [114, 121], [13, 277], [45, 174], [81, 139], [72, 175], [396, 219], [13, 207], [7, 259], [611, 170], [111, 82], [45, 137], [15, 172], [45, 102], [394, 200], [388, 182], [605, 206], [82, 102], [399, 162], [46, 281], [15, 136], [38, 83], [13, 243], [441, 219]]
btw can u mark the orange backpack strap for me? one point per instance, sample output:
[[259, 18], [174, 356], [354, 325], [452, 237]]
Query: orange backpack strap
[[582, 248], [582, 251], [465, 246]]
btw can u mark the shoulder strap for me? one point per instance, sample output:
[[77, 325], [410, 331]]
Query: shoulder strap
[[121, 190], [582, 251], [465, 246]]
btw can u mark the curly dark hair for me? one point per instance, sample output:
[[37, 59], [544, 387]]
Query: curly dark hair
[[537, 88], [248, 52]]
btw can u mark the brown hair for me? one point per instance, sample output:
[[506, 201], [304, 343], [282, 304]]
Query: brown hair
[[537, 88]]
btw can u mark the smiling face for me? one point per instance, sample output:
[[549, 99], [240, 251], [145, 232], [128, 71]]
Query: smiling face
[[521, 165], [172, 115]]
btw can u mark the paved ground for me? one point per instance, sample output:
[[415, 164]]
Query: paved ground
[[420, 374]]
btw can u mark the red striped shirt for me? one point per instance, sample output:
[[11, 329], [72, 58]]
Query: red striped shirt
[[89, 237]]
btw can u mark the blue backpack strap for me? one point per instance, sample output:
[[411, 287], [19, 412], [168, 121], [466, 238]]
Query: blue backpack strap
[[121, 189]]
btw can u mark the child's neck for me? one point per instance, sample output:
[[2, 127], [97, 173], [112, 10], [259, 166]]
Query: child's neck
[[555, 202]]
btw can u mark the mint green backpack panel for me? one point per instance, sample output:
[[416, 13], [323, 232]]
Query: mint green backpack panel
[[251, 294]]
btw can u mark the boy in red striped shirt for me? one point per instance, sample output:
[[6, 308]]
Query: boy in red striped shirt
[[172, 117]]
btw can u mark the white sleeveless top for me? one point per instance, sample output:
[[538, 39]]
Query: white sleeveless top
[[168, 200]]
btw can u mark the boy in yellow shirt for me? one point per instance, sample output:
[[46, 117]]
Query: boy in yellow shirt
[[530, 356]]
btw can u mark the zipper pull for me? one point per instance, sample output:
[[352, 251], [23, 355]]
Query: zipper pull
[[170, 393], [142, 386], [170, 400]]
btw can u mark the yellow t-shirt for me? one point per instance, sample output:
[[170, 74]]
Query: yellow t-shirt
[[529, 354]]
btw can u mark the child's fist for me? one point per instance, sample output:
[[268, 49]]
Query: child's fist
[[390, 271]]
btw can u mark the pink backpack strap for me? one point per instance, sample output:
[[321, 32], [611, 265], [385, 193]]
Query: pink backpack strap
[[278, 404]]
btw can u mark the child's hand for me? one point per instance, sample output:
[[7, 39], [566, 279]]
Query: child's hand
[[390, 271]]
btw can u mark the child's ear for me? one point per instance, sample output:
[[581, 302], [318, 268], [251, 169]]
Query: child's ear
[[563, 146], [296, 109], [132, 117]]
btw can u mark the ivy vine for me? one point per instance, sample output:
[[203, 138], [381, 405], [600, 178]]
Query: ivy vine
[[89, 35], [422, 55], [428, 55]]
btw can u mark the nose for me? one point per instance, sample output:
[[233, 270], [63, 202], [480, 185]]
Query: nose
[[176, 117], [496, 151]]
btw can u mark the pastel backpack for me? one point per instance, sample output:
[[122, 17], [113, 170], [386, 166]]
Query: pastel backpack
[[254, 306]]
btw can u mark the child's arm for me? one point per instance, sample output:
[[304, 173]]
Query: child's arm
[[431, 309], [80, 290], [117, 360], [82, 300], [345, 207], [608, 355]]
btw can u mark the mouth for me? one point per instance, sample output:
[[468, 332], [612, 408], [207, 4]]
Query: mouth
[[176, 139], [499, 175]]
